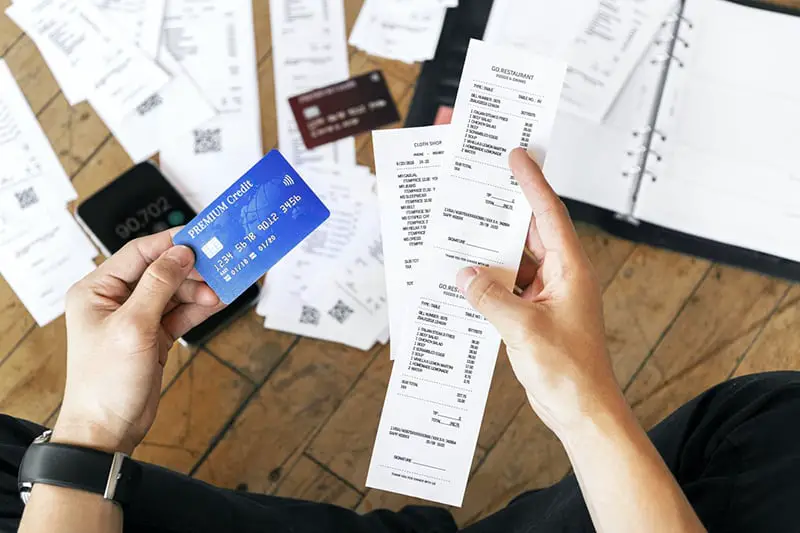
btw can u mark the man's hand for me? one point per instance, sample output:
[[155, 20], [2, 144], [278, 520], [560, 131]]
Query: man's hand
[[556, 344], [122, 319], [554, 329]]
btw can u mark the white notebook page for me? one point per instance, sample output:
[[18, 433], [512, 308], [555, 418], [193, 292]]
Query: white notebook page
[[588, 161], [730, 165]]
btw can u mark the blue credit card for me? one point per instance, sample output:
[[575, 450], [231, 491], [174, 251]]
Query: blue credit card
[[252, 225]]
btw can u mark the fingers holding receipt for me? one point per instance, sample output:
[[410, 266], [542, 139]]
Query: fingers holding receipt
[[439, 384]]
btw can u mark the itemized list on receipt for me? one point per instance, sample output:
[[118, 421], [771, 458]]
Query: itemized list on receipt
[[437, 393]]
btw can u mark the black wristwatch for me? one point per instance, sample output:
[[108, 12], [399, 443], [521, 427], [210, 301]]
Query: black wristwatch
[[115, 476]]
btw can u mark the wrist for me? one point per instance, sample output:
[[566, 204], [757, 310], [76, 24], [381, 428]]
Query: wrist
[[86, 434], [609, 419]]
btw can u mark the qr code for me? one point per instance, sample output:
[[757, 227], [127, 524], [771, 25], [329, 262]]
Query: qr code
[[206, 141], [26, 198], [310, 315], [149, 104], [341, 312]]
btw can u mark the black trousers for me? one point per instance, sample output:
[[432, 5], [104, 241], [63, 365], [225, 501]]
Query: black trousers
[[735, 450]]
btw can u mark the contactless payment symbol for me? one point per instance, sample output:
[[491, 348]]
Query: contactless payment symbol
[[288, 180]]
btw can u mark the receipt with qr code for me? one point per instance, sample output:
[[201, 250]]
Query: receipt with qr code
[[252, 225]]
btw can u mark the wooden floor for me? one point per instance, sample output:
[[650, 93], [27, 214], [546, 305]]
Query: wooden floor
[[297, 417]]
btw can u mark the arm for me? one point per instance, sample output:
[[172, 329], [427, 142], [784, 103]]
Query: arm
[[623, 478], [555, 337], [122, 320]]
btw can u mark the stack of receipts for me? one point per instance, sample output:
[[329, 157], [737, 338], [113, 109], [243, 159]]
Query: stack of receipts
[[42, 249], [448, 200], [332, 286], [406, 30]]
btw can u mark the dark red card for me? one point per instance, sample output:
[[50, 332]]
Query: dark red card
[[344, 109]]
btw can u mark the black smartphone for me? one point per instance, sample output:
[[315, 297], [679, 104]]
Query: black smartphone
[[142, 202]]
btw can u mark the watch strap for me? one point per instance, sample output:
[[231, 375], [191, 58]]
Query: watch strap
[[85, 469]]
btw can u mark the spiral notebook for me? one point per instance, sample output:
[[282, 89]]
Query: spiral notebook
[[701, 151]]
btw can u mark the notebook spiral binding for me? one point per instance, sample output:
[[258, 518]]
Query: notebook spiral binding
[[671, 46]]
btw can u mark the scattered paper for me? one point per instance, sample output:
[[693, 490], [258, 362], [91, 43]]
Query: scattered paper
[[601, 41], [355, 293], [42, 249], [41, 262], [437, 392], [604, 56], [406, 30], [31, 177], [204, 161], [309, 50], [141, 20], [286, 302], [118, 75], [407, 164]]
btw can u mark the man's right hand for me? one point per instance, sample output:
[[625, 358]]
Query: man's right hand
[[554, 330]]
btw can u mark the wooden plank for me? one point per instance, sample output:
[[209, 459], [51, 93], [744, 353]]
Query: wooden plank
[[309, 481], [249, 347], [15, 321], [643, 300], [266, 91], [32, 74], [9, 32], [378, 499], [107, 164], [194, 409], [32, 377], [74, 132], [527, 456], [262, 28], [51, 420], [712, 333], [606, 252], [344, 444], [179, 356], [778, 346], [305, 389], [351, 10]]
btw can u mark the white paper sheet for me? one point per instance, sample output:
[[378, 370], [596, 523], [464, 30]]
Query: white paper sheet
[[355, 294], [31, 176], [541, 26], [404, 30], [141, 20], [602, 41], [309, 50], [284, 302], [202, 162], [605, 54], [408, 162], [41, 262], [727, 166], [117, 74], [174, 111], [437, 393], [600, 163]]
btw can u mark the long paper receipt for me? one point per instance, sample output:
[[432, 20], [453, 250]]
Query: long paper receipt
[[440, 380]]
